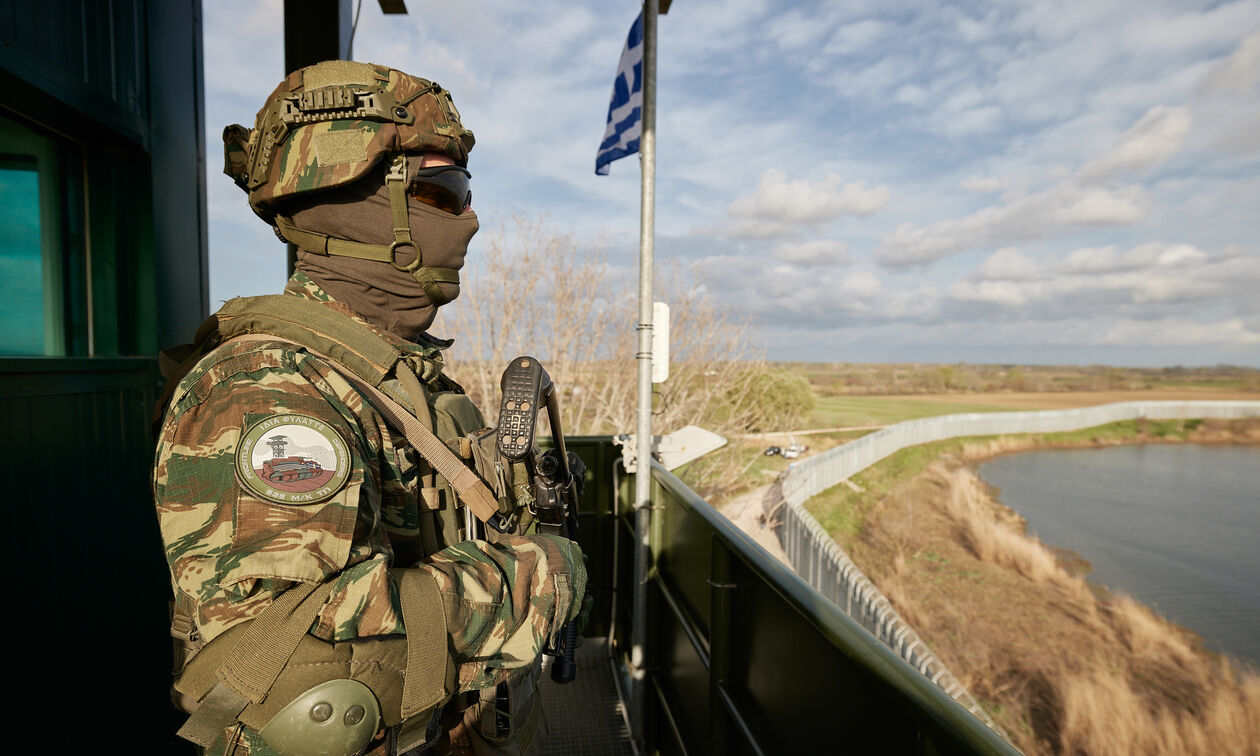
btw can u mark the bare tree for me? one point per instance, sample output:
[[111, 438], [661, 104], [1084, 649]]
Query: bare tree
[[542, 293]]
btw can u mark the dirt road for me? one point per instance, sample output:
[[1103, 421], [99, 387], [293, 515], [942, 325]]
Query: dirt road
[[747, 512]]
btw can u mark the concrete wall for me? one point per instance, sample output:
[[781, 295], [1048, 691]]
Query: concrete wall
[[824, 565]]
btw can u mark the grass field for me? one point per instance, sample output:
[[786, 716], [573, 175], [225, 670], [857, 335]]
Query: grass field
[[832, 379], [845, 411]]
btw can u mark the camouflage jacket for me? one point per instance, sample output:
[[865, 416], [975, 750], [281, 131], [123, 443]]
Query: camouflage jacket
[[232, 547]]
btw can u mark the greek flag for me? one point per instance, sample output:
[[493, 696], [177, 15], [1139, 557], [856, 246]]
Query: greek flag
[[625, 109]]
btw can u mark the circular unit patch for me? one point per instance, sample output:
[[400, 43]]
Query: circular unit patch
[[292, 459]]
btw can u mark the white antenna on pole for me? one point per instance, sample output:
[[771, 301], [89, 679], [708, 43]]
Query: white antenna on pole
[[660, 342]]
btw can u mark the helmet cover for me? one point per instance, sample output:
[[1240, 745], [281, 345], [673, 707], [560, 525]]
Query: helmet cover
[[328, 124]]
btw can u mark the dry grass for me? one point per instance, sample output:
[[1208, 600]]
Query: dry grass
[[1064, 667], [984, 532], [1103, 712]]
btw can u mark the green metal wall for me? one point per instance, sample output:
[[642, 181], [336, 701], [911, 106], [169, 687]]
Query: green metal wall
[[89, 615], [744, 657]]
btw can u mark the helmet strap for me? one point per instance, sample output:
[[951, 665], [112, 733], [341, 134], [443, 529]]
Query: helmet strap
[[396, 183], [323, 244]]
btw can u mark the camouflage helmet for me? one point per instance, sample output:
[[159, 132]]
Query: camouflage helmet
[[328, 124]]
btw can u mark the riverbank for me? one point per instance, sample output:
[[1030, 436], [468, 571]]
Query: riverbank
[[1063, 666]]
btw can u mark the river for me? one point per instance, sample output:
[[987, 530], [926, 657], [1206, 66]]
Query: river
[[1173, 525]]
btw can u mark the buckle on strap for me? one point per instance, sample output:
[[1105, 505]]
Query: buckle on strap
[[503, 523], [410, 267], [397, 169], [218, 710]]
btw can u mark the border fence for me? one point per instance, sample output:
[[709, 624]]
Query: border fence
[[820, 561]]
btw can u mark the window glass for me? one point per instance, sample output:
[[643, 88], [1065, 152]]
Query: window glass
[[21, 259], [32, 316]]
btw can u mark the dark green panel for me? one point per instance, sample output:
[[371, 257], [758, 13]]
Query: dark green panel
[[786, 667], [94, 587], [89, 55], [315, 30], [683, 562], [791, 673], [684, 672], [597, 525]]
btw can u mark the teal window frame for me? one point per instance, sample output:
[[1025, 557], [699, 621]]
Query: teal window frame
[[58, 166]]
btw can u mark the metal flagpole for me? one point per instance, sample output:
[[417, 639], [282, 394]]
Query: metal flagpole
[[643, 432]]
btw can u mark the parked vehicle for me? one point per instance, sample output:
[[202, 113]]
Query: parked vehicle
[[793, 449], [772, 450]]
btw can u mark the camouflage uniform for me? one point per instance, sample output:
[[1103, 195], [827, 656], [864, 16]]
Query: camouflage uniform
[[231, 553]]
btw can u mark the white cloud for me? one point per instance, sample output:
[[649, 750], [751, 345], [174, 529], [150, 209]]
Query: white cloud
[[1228, 101], [1152, 140], [978, 120], [855, 37], [1100, 206], [816, 252], [982, 184], [1144, 256], [1008, 264], [1178, 332], [1108, 282], [1076, 199], [911, 94], [808, 202], [1239, 74], [1004, 293], [1033, 216], [751, 228]]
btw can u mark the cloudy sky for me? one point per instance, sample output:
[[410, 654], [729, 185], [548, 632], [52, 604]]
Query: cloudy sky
[[1027, 182]]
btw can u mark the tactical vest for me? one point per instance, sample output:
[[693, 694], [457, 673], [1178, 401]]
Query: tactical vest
[[252, 672]]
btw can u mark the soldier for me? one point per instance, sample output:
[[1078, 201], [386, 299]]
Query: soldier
[[321, 483]]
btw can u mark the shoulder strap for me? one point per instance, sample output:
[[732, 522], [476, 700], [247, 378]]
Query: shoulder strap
[[470, 488], [312, 325], [301, 321]]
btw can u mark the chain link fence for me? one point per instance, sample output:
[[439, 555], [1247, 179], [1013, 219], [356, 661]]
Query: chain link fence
[[823, 564]]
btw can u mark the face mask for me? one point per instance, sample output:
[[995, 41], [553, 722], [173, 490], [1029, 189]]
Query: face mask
[[387, 295]]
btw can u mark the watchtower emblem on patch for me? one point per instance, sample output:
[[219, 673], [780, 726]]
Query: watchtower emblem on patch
[[292, 459]]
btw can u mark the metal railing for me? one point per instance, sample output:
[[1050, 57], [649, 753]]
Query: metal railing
[[745, 657]]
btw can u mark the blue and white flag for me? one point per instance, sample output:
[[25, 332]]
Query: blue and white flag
[[625, 109]]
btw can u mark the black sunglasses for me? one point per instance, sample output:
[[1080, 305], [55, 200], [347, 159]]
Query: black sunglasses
[[444, 187]]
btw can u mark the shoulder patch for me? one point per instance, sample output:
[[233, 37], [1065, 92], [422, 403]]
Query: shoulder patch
[[292, 459]]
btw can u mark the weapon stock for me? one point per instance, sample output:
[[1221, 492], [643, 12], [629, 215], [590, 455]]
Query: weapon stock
[[526, 386]]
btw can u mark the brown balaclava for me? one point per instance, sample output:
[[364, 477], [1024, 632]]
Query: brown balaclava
[[387, 297]]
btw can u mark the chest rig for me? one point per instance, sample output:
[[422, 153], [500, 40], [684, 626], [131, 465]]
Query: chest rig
[[408, 389]]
